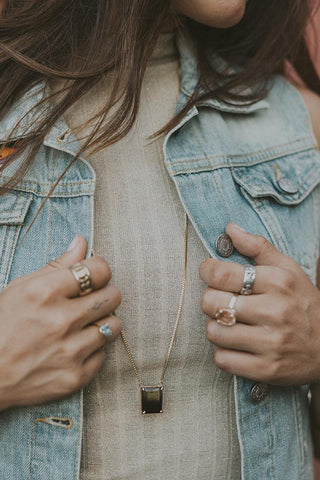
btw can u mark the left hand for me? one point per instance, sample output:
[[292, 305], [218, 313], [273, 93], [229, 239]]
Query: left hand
[[276, 339]]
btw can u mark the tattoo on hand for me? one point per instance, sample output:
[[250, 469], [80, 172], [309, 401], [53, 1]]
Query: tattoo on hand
[[97, 304]]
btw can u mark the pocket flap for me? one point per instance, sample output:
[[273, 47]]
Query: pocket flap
[[14, 207], [288, 179]]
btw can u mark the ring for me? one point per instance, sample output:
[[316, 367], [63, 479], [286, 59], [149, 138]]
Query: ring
[[82, 274], [248, 280], [227, 315], [104, 329]]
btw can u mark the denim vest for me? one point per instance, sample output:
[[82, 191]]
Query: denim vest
[[226, 162]]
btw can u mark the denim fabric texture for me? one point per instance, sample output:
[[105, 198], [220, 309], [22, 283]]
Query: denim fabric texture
[[225, 162]]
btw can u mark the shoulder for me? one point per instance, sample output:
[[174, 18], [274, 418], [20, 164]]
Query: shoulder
[[312, 101]]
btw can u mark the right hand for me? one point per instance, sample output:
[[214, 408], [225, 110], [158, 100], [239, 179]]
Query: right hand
[[48, 349]]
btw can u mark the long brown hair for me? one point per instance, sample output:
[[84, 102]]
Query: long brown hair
[[78, 42]]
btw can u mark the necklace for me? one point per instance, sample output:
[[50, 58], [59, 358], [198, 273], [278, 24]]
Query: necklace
[[152, 395]]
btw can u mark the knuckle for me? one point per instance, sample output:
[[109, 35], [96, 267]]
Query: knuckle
[[206, 266], [284, 282], [59, 323], [74, 380], [102, 267], [212, 332], [279, 341], [219, 360], [272, 371], [207, 305], [283, 312], [263, 243], [55, 264], [221, 276], [38, 293], [289, 279], [118, 326], [116, 295]]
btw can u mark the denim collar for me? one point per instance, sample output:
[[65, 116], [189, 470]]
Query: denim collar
[[189, 78], [61, 137]]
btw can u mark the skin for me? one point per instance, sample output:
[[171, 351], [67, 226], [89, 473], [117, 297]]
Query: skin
[[65, 351], [214, 13]]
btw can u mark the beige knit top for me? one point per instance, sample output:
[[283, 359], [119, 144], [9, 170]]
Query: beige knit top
[[139, 229]]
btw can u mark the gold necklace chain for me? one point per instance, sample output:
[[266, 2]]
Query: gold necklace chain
[[125, 342]]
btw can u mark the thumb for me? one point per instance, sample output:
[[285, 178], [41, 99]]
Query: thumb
[[75, 253], [258, 248]]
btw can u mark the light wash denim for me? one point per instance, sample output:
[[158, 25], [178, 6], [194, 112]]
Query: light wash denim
[[223, 161]]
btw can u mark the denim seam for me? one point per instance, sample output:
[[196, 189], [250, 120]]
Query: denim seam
[[271, 437], [223, 198], [50, 212], [49, 184], [13, 244], [240, 175], [298, 417], [249, 154], [210, 168], [274, 227], [56, 195], [79, 443], [31, 440], [239, 426]]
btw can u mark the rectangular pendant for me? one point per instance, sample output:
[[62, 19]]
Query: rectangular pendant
[[151, 398]]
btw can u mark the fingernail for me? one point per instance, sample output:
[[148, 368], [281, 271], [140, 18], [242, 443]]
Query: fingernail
[[74, 243], [239, 228]]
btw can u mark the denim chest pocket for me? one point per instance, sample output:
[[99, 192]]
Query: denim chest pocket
[[285, 194], [14, 207]]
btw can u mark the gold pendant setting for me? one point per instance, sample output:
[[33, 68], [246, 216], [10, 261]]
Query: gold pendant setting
[[151, 399]]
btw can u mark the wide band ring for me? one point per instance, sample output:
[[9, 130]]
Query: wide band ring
[[227, 315], [248, 280], [83, 276]]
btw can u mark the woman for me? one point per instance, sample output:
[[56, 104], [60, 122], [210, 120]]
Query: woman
[[240, 150]]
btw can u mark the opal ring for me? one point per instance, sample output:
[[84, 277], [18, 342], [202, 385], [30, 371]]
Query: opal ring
[[227, 315], [104, 329]]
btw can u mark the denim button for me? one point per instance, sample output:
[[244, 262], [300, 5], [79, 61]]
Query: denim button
[[224, 245], [259, 391], [287, 185]]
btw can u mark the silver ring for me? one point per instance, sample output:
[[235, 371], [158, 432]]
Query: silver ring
[[248, 280], [82, 274]]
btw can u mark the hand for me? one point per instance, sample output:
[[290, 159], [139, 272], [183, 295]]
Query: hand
[[276, 339], [48, 347]]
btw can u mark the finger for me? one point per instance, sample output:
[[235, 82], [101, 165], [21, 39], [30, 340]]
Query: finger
[[90, 339], [97, 305], [92, 365], [250, 309], [245, 338], [75, 253], [229, 276], [63, 281], [258, 248], [241, 364], [114, 324]]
